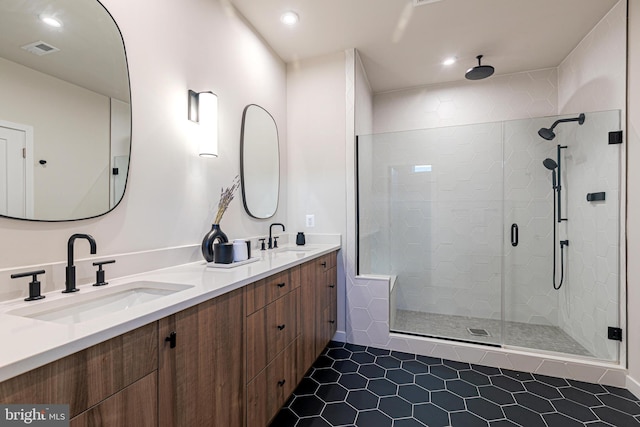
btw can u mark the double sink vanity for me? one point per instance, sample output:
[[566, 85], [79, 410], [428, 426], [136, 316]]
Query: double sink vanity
[[187, 345], [182, 346]]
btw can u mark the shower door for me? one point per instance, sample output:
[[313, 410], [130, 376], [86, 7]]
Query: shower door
[[569, 312], [430, 215], [463, 220]]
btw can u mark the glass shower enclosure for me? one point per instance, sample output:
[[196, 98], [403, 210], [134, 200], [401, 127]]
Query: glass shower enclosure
[[465, 220]]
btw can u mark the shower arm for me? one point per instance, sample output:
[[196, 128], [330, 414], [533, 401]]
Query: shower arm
[[559, 187]]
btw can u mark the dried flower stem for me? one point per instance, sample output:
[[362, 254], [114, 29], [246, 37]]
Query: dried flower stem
[[226, 196]]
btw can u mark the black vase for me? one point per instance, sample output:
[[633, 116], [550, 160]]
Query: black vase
[[210, 238]]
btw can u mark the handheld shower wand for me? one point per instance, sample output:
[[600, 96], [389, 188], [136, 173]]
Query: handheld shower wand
[[552, 165]]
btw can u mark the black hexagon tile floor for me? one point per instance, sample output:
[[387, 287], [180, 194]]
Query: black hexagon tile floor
[[351, 385]]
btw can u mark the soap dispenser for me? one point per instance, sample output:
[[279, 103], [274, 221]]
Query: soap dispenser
[[300, 239]]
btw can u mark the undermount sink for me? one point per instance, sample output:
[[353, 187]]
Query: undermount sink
[[77, 308]]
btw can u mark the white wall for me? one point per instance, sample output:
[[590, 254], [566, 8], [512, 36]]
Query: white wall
[[592, 76], [70, 126], [120, 143], [172, 194], [633, 197], [316, 150], [592, 79], [363, 125], [363, 100], [509, 97]]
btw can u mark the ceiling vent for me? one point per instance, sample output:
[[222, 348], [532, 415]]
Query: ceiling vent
[[40, 48], [417, 3]]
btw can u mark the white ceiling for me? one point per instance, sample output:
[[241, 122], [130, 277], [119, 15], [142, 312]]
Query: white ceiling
[[91, 52], [403, 46]]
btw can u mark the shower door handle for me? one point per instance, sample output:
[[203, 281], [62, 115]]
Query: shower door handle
[[514, 234]]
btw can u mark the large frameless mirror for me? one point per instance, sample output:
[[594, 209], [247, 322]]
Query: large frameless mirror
[[260, 162], [65, 115]]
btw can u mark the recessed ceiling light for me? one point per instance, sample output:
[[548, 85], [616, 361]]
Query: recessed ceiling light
[[50, 21], [449, 61], [289, 18]]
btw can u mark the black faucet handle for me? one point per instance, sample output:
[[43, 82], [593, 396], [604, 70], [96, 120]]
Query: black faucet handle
[[275, 242], [34, 285], [100, 272], [99, 264], [262, 246]]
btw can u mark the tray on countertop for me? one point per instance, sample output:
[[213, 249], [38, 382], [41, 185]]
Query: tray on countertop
[[233, 264]]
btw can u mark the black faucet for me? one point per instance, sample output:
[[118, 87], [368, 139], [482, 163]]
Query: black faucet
[[70, 282], [270, 234]]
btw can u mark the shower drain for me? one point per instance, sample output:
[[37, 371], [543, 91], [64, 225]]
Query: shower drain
[[478, 332]]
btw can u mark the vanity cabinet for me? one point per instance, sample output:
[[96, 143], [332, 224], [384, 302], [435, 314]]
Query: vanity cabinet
[[90, 381], [326, 300], [291, 317], [307, 353], [230, 361], [201, 364], [133, 406], [273, 318], [318, 301]]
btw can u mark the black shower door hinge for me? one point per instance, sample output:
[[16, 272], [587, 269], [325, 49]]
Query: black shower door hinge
[[614, 333], [615, 137]]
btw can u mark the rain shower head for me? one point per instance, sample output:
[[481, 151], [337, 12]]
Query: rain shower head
[[548, 134], [480, 71]]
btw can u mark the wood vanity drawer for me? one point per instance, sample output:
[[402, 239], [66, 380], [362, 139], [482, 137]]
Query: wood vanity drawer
[[268, 391], [136, 405], [270, 330], [87, 377], [265, 291], [327, 262]]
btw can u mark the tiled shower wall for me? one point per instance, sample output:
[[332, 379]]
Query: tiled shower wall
[[434, 217], [460, 261], [593, 78], [529, 296], [589, 300]]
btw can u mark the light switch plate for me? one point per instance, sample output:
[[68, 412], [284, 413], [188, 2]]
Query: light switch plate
[[310, 221]]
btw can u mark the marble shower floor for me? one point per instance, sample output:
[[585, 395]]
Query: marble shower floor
[[540, 337]]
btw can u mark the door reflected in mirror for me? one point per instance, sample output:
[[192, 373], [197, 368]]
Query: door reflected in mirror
[[259, 162], [65, 114]]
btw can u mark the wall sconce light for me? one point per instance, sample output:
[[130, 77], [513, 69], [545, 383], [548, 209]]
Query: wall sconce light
[[203, 110]]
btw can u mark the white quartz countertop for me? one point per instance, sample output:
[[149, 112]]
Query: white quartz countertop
[[28, 343]]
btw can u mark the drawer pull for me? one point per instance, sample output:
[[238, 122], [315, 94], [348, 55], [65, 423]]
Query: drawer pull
[[281, 327], [171, 339], [323, 263], [281, 285], [332, 286], [281, 382], [332, 321]]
